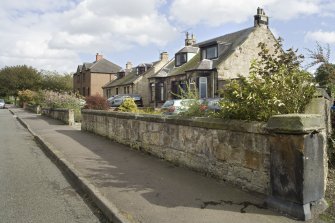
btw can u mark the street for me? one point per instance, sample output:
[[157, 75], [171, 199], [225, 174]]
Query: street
[[32, 188]]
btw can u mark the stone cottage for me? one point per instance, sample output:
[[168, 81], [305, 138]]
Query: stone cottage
[[90, 77], [134, 80], [209, 64]]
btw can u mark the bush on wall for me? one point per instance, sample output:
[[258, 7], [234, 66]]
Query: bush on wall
[[128, 105], [276, 85], [96, 102]]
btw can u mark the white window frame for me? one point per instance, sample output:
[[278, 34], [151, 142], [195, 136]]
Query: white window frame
[[203, 80]]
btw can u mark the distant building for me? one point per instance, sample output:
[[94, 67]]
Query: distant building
[[209, 64], [90, 77]]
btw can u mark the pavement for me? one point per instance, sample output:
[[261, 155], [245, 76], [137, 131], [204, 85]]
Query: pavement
[[132, 186]]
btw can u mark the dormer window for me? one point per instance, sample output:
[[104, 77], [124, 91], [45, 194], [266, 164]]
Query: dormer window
[[121, 74], [140, 70], [209, 52], [181, 58]]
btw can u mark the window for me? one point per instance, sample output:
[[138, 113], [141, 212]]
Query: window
[[160, 92], [128, 89], [140, 70], [84, 91], [116, 91], [181, 58], [152, 90], [84, 78], [124, 90], [203, 87], [210, 52], [161, 85]]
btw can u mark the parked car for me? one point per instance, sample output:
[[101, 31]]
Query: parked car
[[117, 100], [175, 106], [2, 103], [212, 104]]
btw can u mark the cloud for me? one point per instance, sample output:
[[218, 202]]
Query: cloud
[[215, 13], [53, 34], [321, 36]]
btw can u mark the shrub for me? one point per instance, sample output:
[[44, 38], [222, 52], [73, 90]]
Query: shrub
[[96, 102], [128, 105], [276, 85], [51, 99], [26, 96]]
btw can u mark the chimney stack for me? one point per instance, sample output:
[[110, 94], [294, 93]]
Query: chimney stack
[[129, 65], [189, 41], [98, 57], [261, 20], [164, 56]]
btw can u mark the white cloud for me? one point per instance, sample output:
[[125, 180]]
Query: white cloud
[[321, 36], [215, 13], [50, 34]]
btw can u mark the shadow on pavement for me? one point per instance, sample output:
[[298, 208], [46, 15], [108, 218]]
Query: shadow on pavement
[[158, 181]]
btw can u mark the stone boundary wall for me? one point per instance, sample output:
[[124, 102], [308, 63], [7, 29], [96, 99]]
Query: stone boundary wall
[[64, 115], [232, 150], [34, 108]]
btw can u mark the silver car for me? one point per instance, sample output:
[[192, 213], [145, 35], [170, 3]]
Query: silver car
[[2, 103], [175, 106]]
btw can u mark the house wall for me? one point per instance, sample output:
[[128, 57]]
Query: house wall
[[239, 62], [98, 80], [142, 85]]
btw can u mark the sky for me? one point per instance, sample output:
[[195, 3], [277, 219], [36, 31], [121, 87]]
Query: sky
[[60, 35]]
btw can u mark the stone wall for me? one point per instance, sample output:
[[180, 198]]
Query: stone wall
[[64, 115], [236, 151], [34, 108]]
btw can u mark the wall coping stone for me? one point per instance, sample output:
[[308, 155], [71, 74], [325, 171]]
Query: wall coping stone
[[295, 123], [201, 122]]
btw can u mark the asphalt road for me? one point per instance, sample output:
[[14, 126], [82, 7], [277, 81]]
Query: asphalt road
[[32, 189]]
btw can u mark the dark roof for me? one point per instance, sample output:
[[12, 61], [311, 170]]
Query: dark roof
[[228, 42], [104, 66], [100, 66], [189, 49], [130, 77], [228, 38], [171, 70]]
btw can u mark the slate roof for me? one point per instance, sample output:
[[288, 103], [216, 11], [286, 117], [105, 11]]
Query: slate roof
[[130, 77], [228, 43], [100, 66], [189, 49], [231, 41]]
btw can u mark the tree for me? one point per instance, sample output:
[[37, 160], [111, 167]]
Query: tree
[[325, 73], [18, 78], [56, 82], [276, 85]]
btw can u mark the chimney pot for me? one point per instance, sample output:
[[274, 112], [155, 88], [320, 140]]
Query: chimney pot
[[261, 20]]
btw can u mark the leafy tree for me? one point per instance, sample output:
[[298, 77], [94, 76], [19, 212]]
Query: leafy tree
[[56, 82], [276, 85], [18, 78], [325, 73]]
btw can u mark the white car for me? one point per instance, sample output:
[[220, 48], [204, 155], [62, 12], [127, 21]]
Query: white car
[[175, 106], [2, 103]]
